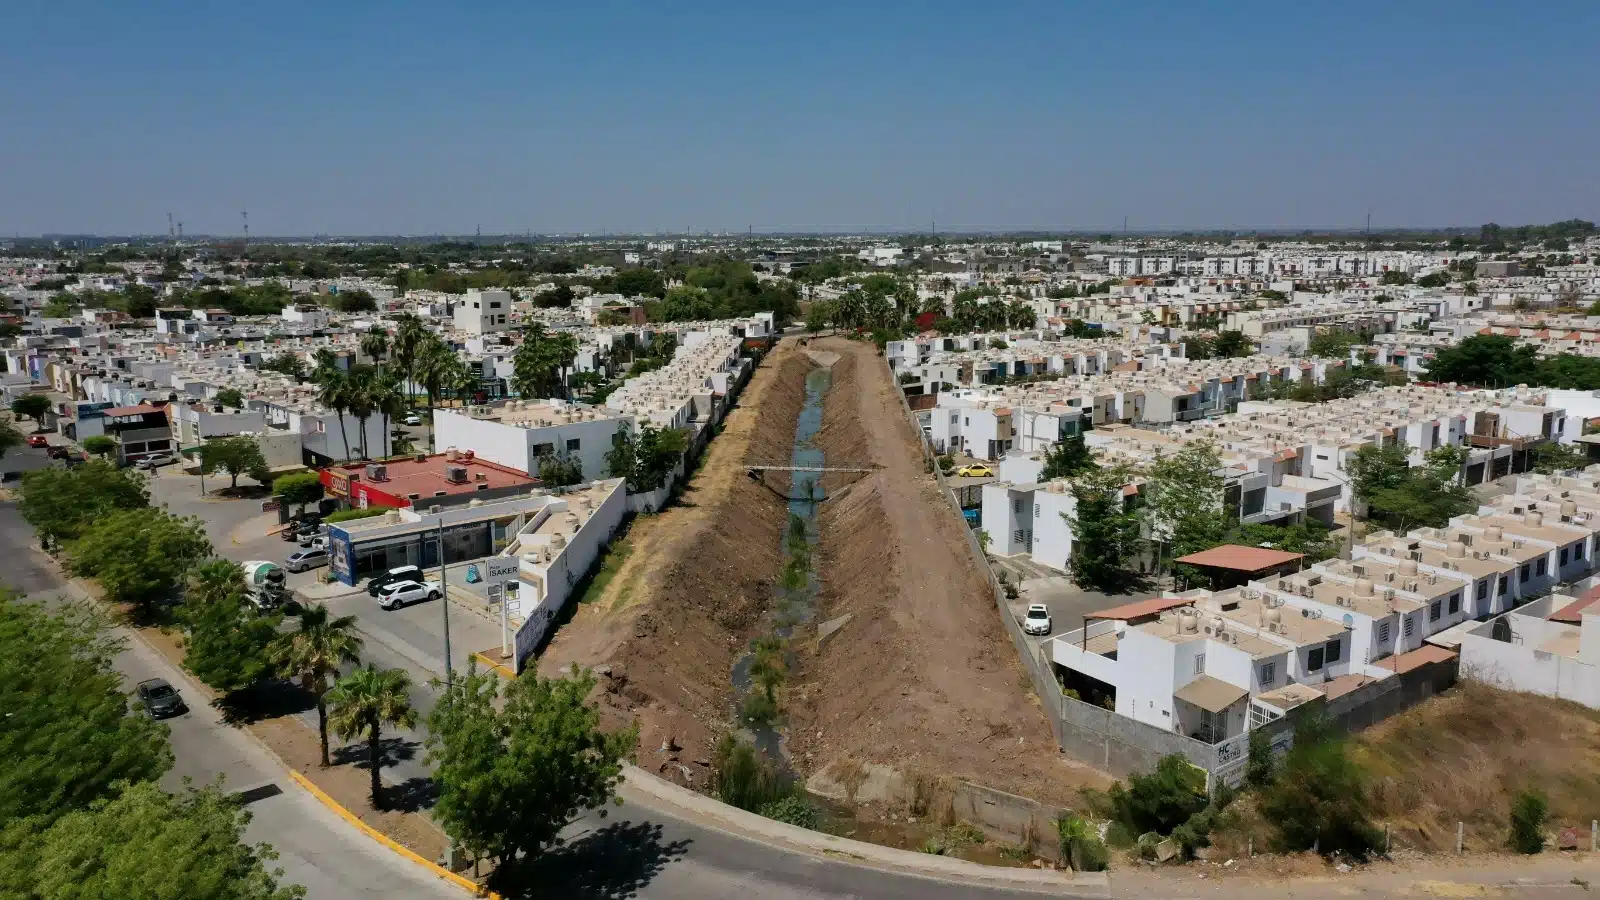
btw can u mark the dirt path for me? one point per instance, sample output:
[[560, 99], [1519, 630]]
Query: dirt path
[[689, 596], [922, 675]]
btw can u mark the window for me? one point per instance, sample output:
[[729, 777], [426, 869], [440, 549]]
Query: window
[[1455, 603], [1505, 585], [1383, 632], [1199, 663], [1036, 510], [1407, 626], [572, 445], [1483, 590], [1542, 568], [1269, 673], [495, 305], [1526, 571], [1314, 660], [1433, 611], [1333, 649], [1016, 505], [1577, 550], [1563, 556]]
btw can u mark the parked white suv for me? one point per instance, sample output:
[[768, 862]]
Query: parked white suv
[[401, 593], [1037, 620]]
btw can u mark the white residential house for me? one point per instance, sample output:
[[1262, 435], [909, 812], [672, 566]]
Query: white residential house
[[482, 311], [517, 433]]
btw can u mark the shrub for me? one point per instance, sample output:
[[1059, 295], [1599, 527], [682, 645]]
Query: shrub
[[1161, 800], [345, 515], [1528, 812], [1080, 845], [745, 778], [795, 809], [1258, 768], [1320, 797]]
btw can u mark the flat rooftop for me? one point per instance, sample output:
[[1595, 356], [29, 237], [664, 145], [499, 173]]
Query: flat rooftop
[[431, 476]]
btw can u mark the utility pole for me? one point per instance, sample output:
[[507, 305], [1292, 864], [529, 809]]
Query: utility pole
[[444, 603]]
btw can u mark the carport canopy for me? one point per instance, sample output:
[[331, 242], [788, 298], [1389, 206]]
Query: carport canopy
[[1210, 694]]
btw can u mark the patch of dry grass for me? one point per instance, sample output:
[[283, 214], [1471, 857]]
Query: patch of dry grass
[[1463, 757]]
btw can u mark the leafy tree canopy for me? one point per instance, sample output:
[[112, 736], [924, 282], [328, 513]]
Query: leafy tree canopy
[[60, 502], [139, 556]]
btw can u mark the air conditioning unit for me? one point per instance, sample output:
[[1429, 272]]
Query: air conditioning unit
[[455, 474], [1250, 593], [377, 472], [1305, 613]]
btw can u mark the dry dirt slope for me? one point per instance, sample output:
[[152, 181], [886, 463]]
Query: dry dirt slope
[[923, 676], [690, 595]]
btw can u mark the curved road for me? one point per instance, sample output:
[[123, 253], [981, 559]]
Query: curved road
[[634, 851]]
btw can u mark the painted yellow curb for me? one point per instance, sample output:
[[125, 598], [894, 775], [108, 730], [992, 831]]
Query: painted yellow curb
[[498, 667], [459, 880]]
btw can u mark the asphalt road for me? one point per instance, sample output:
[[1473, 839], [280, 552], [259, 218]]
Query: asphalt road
[[631, 851], [316, 848]]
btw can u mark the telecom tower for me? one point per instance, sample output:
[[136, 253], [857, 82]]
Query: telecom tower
[[246, 216]]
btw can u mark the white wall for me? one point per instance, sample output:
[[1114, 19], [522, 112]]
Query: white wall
[[513, 445], [1521, 666], [1146, 691]]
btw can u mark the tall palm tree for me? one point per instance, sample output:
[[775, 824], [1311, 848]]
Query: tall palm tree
[[410, 337], [212, 581], [389, 398], [333, 392], [361, 400], [441, 371], [314, 652], [375, 345], [362, 703]]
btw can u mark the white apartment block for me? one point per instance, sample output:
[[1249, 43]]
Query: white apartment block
[[481, 312], [519, 433]]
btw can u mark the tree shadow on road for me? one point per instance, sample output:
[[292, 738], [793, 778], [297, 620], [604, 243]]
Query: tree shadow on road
[[269, 700], [615, 862]]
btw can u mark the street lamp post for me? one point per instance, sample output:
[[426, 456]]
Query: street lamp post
[[444, 603]]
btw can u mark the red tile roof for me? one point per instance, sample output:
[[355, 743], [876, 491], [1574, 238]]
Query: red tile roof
[[1427, 653], [1240, 557], [1572, 613], [1139, 609], [140, 410]]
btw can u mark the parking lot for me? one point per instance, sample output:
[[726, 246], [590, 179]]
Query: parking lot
[[1067, 602]]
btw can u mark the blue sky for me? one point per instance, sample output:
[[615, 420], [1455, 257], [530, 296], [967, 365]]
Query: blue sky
[[411, 117]]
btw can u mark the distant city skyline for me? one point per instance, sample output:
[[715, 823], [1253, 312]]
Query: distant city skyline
[[368, 119]]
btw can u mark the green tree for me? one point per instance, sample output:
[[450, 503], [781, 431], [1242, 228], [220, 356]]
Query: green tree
[[362, 703], [1320, 798], [1183, 498], [31, 406], [1105, 531], [230, 398], [66, 736], [1067, 459], [289, 364], [10, 437], [300, 488], [1336, 343], [1406, 497], [139, 556], [313, 652], [1552, 458], [512, 774], [239, 455], [645, 457], [226, 641], [100, 445], [1395, 277], [143, 843], [1232, 344], [1489, 360], [61, 503], [440, 371]]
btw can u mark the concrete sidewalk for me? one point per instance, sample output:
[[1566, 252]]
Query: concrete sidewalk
[[711, 813]]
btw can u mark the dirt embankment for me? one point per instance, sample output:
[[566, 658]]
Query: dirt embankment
[[691, 593], [922, 675]]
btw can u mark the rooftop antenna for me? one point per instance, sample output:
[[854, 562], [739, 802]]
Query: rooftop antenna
[[1124, 227], [170, 233], [180, 232]]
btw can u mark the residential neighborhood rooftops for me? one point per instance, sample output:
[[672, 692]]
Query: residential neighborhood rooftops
[[1572, 613], [1140, 610]]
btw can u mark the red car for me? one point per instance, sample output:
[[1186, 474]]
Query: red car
[[38, 440]]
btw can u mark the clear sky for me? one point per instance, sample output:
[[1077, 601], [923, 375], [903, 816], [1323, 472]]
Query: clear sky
[[353, 117]]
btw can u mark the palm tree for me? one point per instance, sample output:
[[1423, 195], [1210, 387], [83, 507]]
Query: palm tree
[[314, 652], [441, 372], [410, 337], [375, 344], [388, 397], [362, 703], [333, 392], [361, 400], [212, 581]]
